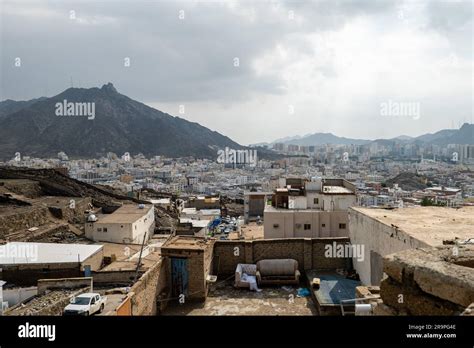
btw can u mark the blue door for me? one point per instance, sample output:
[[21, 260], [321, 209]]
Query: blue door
[[179, 276]]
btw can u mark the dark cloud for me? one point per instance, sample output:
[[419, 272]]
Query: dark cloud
[[171, 59]]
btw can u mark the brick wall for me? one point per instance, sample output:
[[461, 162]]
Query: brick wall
[[309, 252], [145, 291]]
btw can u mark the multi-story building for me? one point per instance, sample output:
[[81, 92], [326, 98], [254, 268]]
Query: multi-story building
[[305, 208]]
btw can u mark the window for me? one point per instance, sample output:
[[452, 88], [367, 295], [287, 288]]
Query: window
[[323, 225], [99, 229], [342, 226], [316, 200], [105, 229], [276, 225], [307, 226]]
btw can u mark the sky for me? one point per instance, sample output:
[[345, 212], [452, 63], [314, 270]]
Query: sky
[[255, 70]]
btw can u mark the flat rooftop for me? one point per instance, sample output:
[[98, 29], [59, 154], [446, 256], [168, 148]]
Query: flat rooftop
[[127, 213], [224, 299], [195, 223], [17, 253], [336, 190], [431, 225], [186, 243]]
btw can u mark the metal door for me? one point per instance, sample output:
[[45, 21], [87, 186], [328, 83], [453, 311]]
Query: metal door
[[179, 276]]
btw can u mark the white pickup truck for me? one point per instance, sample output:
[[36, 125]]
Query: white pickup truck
[[86, 304]]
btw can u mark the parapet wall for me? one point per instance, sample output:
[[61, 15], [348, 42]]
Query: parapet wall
[[428, 281], [309, 252], [142, 298], [63, 283]]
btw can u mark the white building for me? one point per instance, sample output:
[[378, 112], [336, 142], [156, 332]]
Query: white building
[[128, 224]]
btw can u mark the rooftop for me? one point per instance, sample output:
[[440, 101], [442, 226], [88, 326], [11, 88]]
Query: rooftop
[[127, 213], [270, 208], [431, 225], [224, 299], [34, 253], [336, 190], [186, 243]]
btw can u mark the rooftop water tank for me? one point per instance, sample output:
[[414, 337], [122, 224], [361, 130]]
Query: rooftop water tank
[[91, 218]]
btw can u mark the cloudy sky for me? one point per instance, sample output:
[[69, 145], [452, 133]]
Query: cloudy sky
[[253, 70]]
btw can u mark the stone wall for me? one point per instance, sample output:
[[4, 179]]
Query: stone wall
[[309, 252], [62, 209], [427, 281], [51, 303], [144, 293], [23, 219], [115, 277], [63, 283]]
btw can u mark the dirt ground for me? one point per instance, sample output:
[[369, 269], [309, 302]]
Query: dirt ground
[[252, 231], [224, 299]]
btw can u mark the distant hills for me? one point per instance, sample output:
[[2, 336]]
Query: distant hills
[[120, 124], [464, 135], [10, 106]]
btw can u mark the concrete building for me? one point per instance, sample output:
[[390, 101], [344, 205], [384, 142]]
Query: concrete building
[[254, 204], [385, 231], [128, 224], [203, 202], [314, 209]]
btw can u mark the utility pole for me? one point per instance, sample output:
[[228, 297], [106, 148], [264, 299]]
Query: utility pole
[[139, 258]]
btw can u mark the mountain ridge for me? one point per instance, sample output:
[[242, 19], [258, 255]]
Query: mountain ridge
[[463, 135], [120, 125]]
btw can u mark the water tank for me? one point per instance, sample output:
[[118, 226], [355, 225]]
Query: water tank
[[91, 218]]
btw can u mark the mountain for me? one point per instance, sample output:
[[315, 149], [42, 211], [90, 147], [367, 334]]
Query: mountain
[[430, 137], [464, 135], [10, 106], [402, 138], [119, 125], [321, 139]]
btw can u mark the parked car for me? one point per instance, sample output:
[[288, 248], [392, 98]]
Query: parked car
[[86, 304]]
